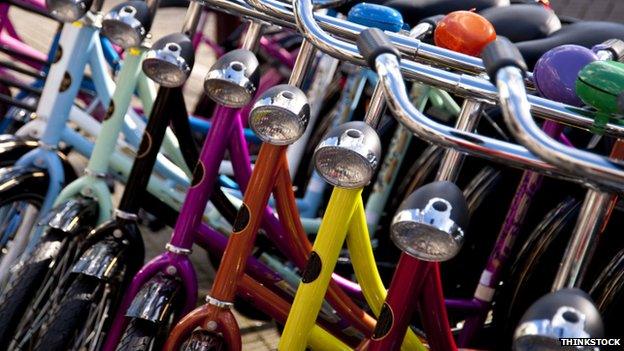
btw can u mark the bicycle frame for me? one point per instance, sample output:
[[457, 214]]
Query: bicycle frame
[[196, 198]]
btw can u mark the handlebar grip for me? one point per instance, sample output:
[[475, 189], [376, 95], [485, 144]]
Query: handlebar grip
[[499, 54], [373, 42], [616, 46]]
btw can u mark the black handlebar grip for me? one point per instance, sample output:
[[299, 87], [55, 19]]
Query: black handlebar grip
[[499, 54], [372, 42], [432, 20]]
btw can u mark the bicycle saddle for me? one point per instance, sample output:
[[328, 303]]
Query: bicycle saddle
[[586, 33], [522, 22]]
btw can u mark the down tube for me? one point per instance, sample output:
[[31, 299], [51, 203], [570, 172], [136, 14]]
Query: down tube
[[317, 274]]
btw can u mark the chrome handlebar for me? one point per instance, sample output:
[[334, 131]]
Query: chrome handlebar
[[543, 108], [389, 71], [586, 167]]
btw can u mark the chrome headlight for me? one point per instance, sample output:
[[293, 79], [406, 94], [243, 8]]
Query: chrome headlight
[[429, 224], [68, 10], [127, 24], [280, 115], [170, 61], [567, 313], [233, 79], [348, 155]]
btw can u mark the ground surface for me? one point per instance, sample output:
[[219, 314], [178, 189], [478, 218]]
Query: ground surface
[[256, 335]]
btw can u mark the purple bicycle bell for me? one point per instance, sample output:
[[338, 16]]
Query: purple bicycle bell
[[556, 71]]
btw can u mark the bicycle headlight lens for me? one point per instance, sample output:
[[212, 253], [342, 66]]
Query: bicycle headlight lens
[[68, 10], [233, 79], [429, 223], [166, 66], [122, 27], [427, 234], [280, 115], [348, 155], [229, 87]]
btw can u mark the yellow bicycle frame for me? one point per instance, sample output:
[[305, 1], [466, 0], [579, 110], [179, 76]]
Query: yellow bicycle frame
[[344, 214]]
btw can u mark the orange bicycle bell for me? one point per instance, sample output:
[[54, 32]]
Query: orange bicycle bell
[[465, 32]]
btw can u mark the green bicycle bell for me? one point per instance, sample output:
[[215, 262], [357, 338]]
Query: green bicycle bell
[[599, 83]]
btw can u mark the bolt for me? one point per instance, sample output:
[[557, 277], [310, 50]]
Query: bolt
[[211, 326], [171, 270], [117, 233]]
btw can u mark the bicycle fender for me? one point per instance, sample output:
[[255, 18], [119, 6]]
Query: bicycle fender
[[12, 148], [72, 216], [99, 260], [15, 181], [154, 299], [127, 236]]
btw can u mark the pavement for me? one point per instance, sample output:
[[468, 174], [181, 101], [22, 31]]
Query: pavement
[[257, 335]]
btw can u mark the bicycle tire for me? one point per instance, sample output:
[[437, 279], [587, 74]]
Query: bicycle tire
[[68, 315], [138, 336], [19, 292]]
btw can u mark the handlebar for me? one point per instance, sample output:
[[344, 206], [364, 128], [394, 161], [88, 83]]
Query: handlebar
[[506, 68], [505, 64], [465, 85], [596, 169]]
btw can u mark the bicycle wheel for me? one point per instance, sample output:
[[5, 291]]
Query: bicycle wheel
[[76, 323], [17, 219], [22, 194], [30, 285], [140, 335], [143, 335], [608, 293], [533, 270]]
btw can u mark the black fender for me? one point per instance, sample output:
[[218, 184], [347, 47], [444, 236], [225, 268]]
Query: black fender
[[155, 298], [100, 261], [72, 216], [23, 182], [608, 294], [13, 147], [124, 242]]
